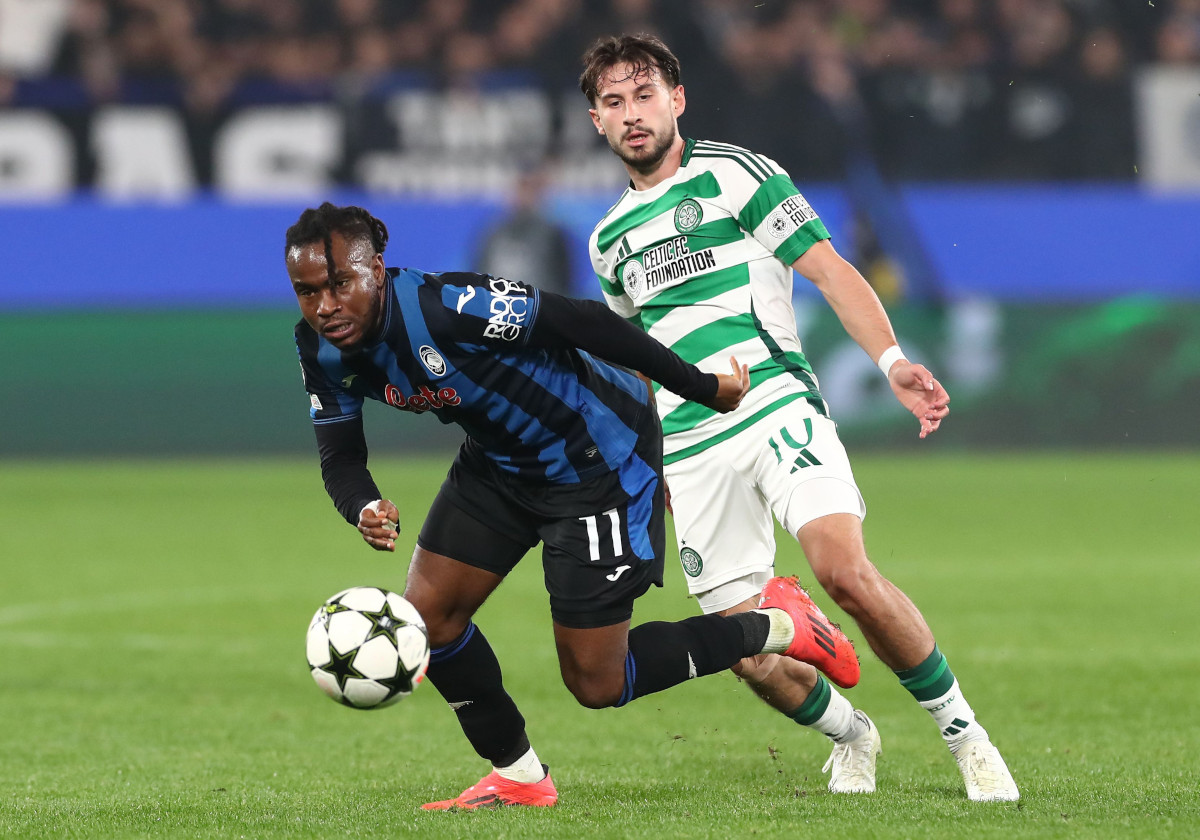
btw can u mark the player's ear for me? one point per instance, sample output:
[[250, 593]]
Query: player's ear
[[678, 101], [595, 119], [378, 268]]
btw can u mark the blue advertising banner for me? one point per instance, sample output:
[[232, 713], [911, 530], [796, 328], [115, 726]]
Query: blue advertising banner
[[1012, 244]]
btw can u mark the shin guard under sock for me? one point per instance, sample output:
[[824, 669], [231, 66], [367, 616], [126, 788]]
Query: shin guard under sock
[[664, 653], [467, 674]]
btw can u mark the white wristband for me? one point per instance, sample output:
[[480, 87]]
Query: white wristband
[[889, 357]]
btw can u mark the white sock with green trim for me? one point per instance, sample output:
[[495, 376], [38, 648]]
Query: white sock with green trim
[[829, 713], [954, 718], [934, 686]]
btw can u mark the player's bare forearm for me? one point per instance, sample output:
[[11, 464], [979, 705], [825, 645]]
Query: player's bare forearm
[[864, 319], [850, 297]]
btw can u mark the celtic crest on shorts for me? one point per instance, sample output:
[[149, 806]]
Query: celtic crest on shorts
[[688, 215], [692, 564]]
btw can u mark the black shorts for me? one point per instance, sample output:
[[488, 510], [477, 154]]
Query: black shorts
[[604, 539]]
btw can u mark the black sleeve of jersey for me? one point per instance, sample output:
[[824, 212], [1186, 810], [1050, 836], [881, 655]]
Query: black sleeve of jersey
[[591, 326], [343, 448]]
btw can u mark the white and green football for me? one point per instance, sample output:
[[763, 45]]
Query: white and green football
[[367, 647]]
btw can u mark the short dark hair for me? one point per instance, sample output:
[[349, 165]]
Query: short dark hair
[[643, 52], [317, 224]]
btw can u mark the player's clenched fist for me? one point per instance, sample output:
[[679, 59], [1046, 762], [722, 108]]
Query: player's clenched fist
[[379, 522]]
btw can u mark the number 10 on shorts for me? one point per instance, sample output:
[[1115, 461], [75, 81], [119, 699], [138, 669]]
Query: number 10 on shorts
[[593, 532], [805, 458]]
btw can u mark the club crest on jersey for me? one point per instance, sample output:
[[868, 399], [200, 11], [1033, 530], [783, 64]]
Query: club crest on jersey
[[692, 564], [633, 278], [688, 215], [432, 360]]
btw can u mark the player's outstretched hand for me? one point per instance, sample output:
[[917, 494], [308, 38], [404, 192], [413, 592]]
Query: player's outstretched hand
[[379, 522], [920, 393], [731, 389]]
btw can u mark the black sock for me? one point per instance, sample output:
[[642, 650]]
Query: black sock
[[467, 675], [756, 627], [663, 653]]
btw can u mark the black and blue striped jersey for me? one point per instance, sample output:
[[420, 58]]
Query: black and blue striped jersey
[[506, 362]]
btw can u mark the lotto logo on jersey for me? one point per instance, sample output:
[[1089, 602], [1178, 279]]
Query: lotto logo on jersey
[[509, 308], [425, 398]]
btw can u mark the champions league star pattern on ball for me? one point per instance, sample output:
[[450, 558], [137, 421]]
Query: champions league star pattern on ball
[[367, 647]]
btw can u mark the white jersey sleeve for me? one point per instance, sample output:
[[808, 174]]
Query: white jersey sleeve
[[762, 198], [610, 286]]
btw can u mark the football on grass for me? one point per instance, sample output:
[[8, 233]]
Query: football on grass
[[367, 647]]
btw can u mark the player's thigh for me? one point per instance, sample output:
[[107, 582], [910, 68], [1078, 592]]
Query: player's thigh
[[471, 539], [604, 546], [723, 524], [803, 470], [475, 519]]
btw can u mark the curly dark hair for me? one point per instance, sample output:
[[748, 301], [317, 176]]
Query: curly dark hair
[[643, 52], [316, 224]]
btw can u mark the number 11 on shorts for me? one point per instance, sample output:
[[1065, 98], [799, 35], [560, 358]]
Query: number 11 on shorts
[[593, 531]]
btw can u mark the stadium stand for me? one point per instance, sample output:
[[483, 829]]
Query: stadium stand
[[951, 89]]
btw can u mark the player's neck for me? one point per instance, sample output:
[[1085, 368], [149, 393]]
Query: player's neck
[[666, 168]]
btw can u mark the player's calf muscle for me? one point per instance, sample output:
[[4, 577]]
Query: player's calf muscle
[[756, 669]]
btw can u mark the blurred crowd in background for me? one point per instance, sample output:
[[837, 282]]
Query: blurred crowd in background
[[937, 89]]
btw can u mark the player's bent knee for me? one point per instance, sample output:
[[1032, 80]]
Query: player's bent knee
[[443, 623], [443, 629], [594, 693]]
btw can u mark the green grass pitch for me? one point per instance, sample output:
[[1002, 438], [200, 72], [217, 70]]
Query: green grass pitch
[[154, 684]]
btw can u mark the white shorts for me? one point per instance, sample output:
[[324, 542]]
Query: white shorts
[[790, 463]]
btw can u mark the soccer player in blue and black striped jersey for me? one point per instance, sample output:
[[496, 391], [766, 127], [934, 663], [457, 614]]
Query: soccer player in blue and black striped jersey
[[562, 448]]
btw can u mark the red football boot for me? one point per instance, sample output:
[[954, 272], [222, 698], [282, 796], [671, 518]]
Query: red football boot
[[495, 791], [818, 641]]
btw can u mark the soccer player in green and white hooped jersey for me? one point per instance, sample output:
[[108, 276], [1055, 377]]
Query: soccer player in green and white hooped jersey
[[699, 251]]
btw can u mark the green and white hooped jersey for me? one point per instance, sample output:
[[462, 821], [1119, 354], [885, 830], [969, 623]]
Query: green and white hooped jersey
[[702, 262]]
